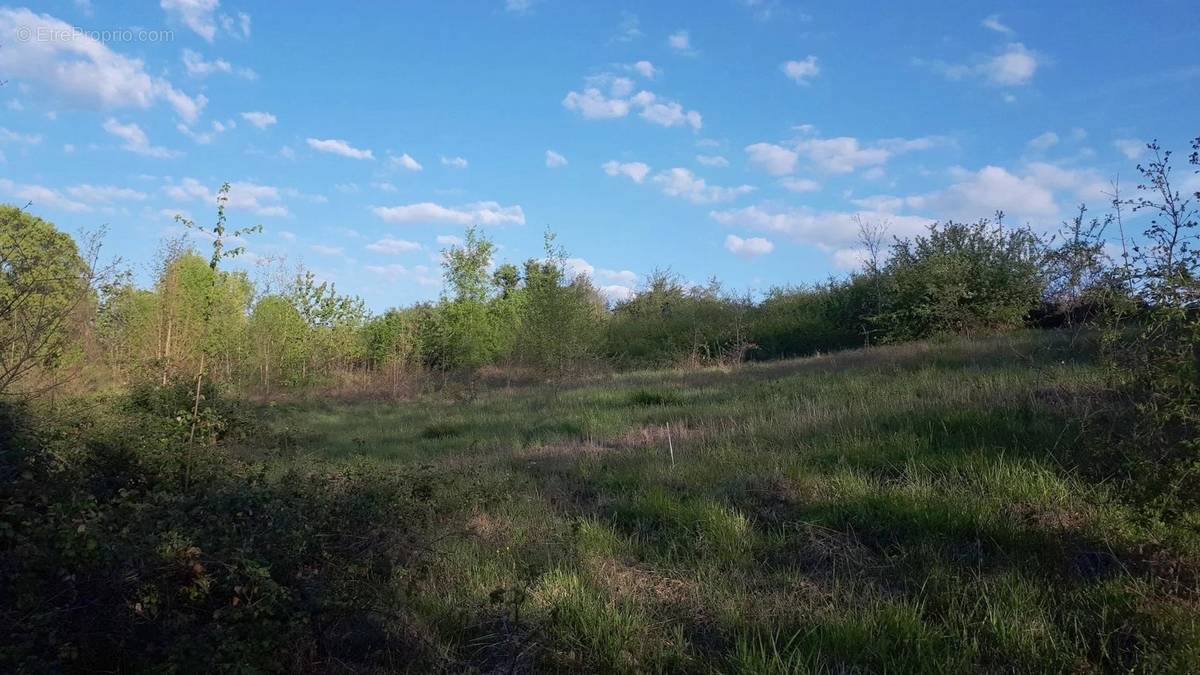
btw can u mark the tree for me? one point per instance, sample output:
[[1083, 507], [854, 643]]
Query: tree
[[467, 334], [218, 234], [45, 287], [559, 316], [276, 330], [1079, 278]]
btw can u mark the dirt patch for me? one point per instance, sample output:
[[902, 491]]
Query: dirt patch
[[639, 583], [1049, 518], [490, 529]]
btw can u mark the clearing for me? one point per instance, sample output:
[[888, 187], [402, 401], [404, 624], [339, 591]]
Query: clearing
[[904, 508]]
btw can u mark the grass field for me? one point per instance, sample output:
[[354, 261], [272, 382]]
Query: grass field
[[900, 509]]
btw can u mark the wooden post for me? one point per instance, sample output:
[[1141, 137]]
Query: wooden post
[[671, 446]]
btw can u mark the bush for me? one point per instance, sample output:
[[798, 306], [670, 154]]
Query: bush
[[116, 554], [792, 322], [668, 323], [960, 279]]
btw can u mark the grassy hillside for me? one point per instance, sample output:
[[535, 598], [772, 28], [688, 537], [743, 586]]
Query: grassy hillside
[[901, 509]]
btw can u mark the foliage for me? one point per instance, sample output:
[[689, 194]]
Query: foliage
[[44, 287], [1153, 440], [960, 279], [793, 322], [559, 317], [669, 323], [115, 555]]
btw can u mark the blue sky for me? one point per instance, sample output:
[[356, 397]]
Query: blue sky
[[735, 138]]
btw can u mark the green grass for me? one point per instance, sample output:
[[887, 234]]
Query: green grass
[[902, 509]]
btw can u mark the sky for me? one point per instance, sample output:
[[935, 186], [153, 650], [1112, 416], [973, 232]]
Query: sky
[[735, 138]]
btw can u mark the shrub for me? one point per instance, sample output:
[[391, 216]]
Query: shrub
[[668, 323], [960, 279], [793, 322]]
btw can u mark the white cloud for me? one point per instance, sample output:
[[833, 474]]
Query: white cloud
[[774, 159], [199, 15], [41, 196], [393, 272], [827, 230], [630, 28], [325, 249], [454, 162], [287, 236], [594, 105], [518, 6], [555, 160], [624, 277], [619, 282], [10, 136], [979, 194], [263, 200], [262, 120], [850, 258], [803, 71], [636, 171], [339, 147], [477, 213], [840, 155], [1043, 141], [135, 139], [1132, 148], [680, 182], [391, 246], [216, 128], [748, 249], [800, 184], [82, 71], [384, 186], [1015, 66], [993, 23], [681, 42], [645, 69], [621, 86], [197, 67], [712, 160], [665, 113], [239, 28], [616, 292], [404, 161], [449, 240], [574, 267]]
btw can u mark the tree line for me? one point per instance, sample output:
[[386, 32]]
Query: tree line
[[199, 321]]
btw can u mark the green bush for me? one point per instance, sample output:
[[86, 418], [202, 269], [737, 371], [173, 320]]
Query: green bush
[[964, 279], [792, 322], [668, 323]]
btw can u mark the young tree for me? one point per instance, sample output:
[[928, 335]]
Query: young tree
[[560, 316], [219, 233], [468, 336]]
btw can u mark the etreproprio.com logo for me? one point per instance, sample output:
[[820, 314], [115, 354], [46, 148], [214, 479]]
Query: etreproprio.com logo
[[52, 34]]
